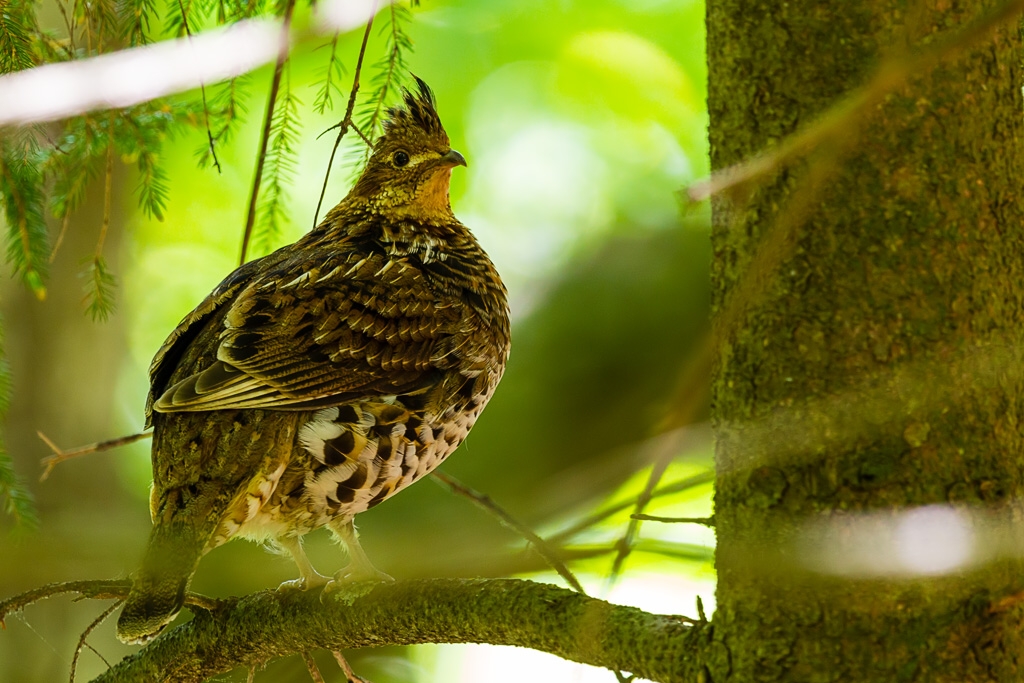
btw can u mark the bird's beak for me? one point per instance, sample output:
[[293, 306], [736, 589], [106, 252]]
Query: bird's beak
[[453, 158]]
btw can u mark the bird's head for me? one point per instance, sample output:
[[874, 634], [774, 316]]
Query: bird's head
[[410, 166]]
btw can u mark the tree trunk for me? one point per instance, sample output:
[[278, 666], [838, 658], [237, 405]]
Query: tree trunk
[[875, 368]]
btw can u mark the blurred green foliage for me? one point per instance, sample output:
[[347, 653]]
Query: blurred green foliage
[[580, 121]]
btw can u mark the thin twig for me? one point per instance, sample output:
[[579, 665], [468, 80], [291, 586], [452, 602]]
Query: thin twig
[[394, 63], [346, 122], [565, 535], [99, 654], [65, 222], [625, 544], [96, 590], [108, 188], [59, 456], [115, 589], [540, 545], [891, 75], [275, 84], [776, 243], [314, 670], [361, 134], [350, 675], [202, 91], [85, 634], [69, 24], [706, 521]]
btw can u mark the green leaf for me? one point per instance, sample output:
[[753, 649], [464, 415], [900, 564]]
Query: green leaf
[[139, 135], [135, 17], [21, 193], [279, 169], [72, 164], [14, 496], [388, 73], [153, 190], [17, 25], [331, 77], [100, 285], [227, 110], [17, 501]]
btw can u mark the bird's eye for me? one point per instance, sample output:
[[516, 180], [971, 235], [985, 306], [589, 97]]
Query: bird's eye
[[400, 158]]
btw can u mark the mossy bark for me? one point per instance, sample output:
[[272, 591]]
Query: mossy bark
[[253, 630], [877, 369]]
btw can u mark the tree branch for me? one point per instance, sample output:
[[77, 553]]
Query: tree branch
[[60, 456], [346, 122], [248, 631], [275, 83]]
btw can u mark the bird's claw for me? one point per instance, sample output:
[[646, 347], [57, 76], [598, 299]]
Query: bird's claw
[[350, 576], [304, 583]]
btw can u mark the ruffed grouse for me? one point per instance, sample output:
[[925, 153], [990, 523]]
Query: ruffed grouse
[[316, 382]]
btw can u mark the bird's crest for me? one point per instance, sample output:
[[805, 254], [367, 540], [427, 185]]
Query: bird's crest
[[417, 111]]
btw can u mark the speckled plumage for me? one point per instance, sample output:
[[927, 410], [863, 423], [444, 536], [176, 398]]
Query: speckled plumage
[[316, 382]]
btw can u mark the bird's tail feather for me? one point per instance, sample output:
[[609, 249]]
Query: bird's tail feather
[[158, 590]]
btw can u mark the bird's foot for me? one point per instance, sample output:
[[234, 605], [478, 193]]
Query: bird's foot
[[356, 574], [304, 583]]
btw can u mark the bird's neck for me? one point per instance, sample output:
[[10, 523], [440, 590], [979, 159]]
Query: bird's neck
[[426, 202], [403, 232]]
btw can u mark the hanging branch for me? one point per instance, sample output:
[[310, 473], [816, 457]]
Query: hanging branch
[[275, 84], [17, 22], [21, 193], [17, 501], [135, 18], [202, 91], [15, 497], [333, 73], [100, 284], [389, 68], [279, 168], [346, 122], [227, 106]]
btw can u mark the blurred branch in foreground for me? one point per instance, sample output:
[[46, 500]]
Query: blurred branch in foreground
[[140, 74], [135, 75], [835, 123]]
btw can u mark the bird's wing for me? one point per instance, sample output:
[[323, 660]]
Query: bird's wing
[[166, 358], [311, 335]]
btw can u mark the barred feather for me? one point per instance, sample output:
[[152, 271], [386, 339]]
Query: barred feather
[[315, 382]]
